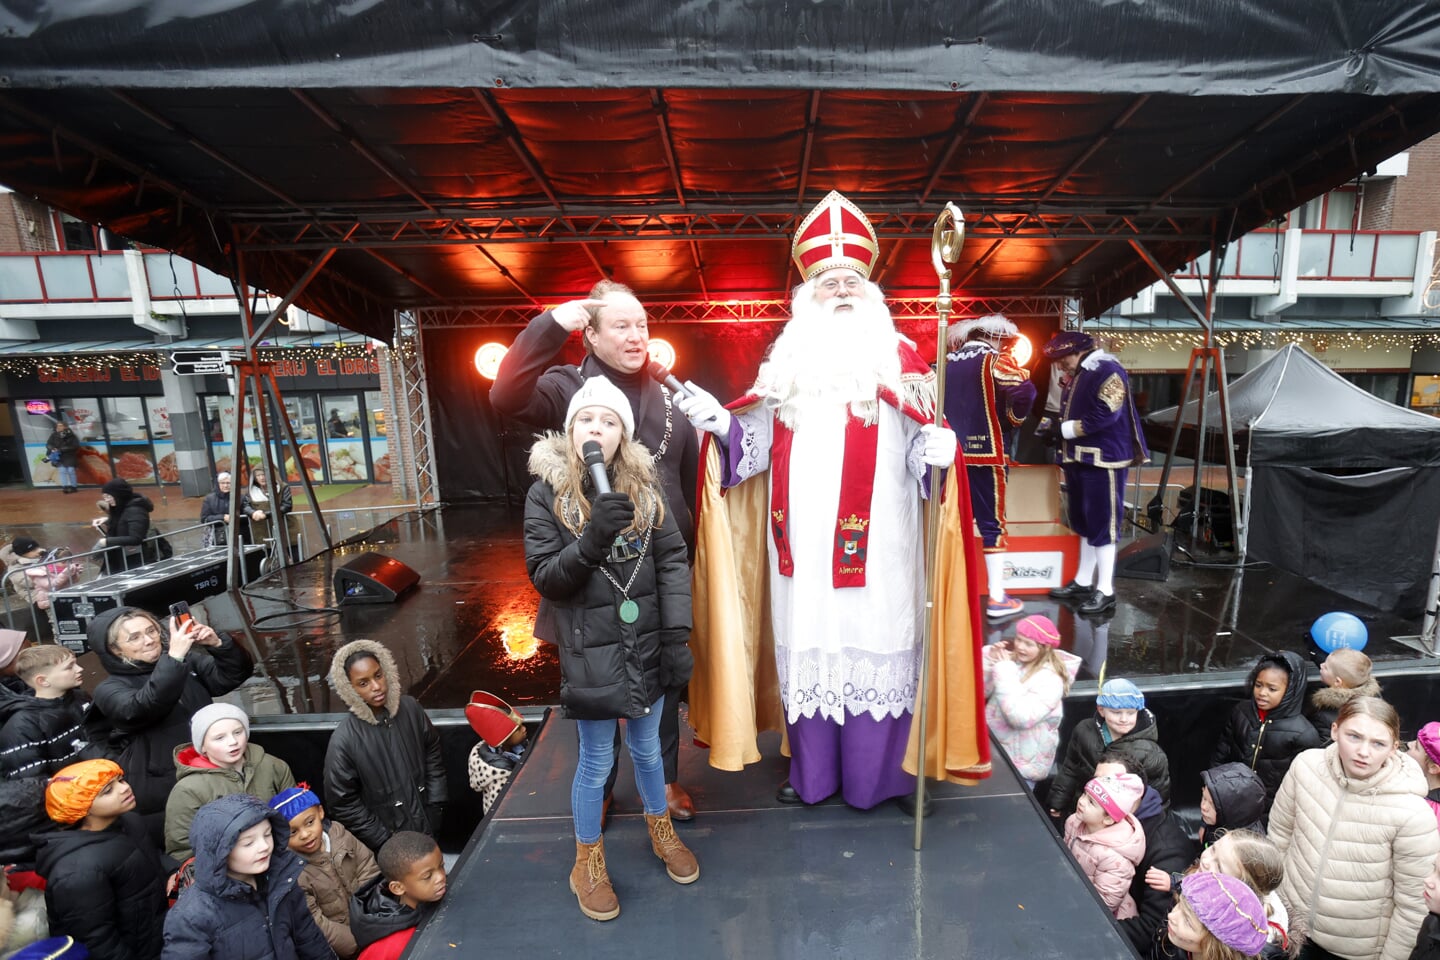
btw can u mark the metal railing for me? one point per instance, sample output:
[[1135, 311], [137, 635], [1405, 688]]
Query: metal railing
[[344, 524]]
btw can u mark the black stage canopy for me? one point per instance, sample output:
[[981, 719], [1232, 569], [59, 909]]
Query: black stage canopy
[[478, 160]]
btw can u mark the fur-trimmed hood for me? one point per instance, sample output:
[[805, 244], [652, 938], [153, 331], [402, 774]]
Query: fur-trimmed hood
[[347, 693], [1333, 698], [549, 458]]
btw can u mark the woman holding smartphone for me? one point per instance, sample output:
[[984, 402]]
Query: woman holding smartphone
[[159, 676]]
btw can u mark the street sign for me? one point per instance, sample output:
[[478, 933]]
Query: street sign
[[200, 363]]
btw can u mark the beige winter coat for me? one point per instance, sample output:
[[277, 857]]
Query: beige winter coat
[[1356, 853]]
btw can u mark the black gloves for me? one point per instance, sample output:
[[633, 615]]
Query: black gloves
[[1048, 431], [676, 664], [609, 514]]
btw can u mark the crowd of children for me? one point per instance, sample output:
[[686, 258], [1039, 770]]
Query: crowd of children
[[218, 853], [1319, 829]]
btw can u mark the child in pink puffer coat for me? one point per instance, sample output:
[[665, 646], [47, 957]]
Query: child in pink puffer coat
[[1026, 680], [1106, 839]]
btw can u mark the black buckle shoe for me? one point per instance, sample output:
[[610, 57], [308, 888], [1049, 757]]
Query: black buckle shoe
[[787, 794], [1098, 604], [906, 803], [1071, 591]]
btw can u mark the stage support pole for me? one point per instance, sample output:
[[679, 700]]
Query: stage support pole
[[1430, 632], [945, 243]]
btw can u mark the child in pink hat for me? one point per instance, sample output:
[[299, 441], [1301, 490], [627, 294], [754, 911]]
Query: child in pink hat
[[1106, 839], [1425, 750], [1026, 679]]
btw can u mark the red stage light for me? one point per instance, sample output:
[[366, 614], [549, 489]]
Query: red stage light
[[662, 353], [1022, 350], [488, 357]]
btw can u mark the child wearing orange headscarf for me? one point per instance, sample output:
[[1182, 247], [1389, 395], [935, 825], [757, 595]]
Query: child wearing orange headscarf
[[104, 880]]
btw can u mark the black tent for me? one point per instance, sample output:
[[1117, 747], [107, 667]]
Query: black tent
[[1341, 487]]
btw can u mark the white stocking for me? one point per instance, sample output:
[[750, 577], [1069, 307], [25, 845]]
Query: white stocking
[[995, 571], [1105, 569], [1085, 572]]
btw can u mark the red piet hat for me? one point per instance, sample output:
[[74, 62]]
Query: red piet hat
[[494, 720], [835, 234]]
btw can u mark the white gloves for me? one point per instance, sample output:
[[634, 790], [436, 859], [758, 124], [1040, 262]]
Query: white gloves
[[939, 446], [1070, 429], [704, 412]]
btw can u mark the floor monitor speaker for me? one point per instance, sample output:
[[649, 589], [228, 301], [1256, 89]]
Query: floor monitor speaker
[[1145, 558], [373, 578]]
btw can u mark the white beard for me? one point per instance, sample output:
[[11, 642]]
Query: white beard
[[826, 359]]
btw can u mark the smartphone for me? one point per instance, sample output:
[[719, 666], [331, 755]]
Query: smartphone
[[181, 612]]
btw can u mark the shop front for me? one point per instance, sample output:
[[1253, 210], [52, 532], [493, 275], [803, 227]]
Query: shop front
[[117, 408]]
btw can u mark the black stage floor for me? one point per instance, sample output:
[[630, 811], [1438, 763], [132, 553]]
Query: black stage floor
[[775, 881], [467, 626]]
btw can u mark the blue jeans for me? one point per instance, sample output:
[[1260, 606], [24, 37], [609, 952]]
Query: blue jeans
[[67, 476], [597, 755]]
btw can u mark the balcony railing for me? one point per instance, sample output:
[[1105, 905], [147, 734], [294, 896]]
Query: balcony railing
[[87, 276], [1324, 255]]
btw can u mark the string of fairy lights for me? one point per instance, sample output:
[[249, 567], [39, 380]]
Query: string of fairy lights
[[1178, 341], [1319, 340], [26, 364]]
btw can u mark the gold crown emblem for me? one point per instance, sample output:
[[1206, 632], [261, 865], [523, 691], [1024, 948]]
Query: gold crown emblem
[[853, 523]]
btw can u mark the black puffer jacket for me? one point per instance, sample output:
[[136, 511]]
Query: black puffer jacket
[[1167, 848], [125, 531], [221, 918], [608, 668], [68, 443], [142, 711], [1238, 795], [106, 889], [1141, 745], [383, 773], [41, 736], [1268, 746], [375, 913]]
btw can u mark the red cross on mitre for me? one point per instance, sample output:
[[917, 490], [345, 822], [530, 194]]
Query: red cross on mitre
[[835, 234]]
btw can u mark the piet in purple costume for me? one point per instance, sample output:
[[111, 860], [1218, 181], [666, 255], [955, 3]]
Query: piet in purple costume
[[987, 397], [1100, 438]]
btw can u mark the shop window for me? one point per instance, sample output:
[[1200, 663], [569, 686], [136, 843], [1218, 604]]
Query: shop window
[[1425, 394], [345, 431]]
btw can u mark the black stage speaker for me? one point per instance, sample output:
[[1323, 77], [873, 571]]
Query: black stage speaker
[[1145, 558], [373, 578]]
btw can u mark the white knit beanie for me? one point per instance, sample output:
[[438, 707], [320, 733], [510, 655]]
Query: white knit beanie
[[207, 717], [600, 392]]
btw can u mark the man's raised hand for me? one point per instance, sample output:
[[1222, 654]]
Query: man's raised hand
[[575, 314]]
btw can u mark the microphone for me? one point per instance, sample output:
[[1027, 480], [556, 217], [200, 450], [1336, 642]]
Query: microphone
[[595, 460], [657, 371]]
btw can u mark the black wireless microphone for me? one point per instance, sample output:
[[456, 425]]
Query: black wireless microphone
[[595, 460], [657, 371]]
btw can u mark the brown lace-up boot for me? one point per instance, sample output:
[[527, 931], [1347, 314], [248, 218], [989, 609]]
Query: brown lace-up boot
[[680, 863], [591, 883]]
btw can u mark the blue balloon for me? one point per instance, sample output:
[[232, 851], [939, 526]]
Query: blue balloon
[[1337, 631]]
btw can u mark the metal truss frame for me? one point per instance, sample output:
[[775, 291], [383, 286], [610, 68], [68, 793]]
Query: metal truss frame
[[1048, 308], [379, 229], [410, 405]]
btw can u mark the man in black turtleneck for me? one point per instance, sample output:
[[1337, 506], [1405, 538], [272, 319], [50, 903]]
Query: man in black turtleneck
[[531, 387]]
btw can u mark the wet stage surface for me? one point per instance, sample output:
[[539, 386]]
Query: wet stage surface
[[468, 624], [775, 882]]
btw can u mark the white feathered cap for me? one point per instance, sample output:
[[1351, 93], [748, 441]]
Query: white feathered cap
[[996, 325], [600, 392]]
